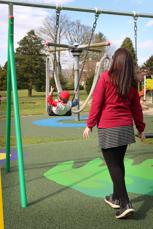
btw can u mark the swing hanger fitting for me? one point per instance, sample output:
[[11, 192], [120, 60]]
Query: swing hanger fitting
[[58, 7], [97, 11], [135, 16]]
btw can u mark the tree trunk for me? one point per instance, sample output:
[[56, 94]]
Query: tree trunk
[[30, 91]]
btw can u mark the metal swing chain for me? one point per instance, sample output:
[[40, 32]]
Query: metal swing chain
[[135, 35], [55, 38], [87, 50], [135, 38]]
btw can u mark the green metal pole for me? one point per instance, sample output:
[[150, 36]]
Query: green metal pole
[[8, 107], [23, 196]]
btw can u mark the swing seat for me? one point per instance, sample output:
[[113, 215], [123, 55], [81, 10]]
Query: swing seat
[[51, 113]]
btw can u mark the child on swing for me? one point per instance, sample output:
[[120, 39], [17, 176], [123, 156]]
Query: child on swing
[[62, 105]]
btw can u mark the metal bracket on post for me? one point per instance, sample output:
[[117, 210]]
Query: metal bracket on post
[[10, 9]]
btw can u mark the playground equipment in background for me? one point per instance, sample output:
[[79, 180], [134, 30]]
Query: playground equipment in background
[[147, 86], [12, 82]]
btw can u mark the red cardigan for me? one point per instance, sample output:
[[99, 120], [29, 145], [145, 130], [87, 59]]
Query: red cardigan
[[110, 110]]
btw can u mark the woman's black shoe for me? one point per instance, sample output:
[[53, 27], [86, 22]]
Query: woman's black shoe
[[114, 203], [128, 210]]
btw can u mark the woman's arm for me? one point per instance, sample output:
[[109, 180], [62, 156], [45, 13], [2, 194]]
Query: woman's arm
[[137, 113], [98, 99]]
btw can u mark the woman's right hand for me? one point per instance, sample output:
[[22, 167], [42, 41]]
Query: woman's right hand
[[86, 132]]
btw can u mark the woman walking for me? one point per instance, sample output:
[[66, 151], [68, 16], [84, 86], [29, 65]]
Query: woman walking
[[115, 105]]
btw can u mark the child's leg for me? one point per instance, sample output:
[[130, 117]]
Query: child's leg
[[114, 158]]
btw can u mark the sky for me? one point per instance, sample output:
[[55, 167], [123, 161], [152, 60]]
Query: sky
[[115, 28]]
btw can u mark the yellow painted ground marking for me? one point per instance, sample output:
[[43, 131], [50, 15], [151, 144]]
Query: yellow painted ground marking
[[1, 205]]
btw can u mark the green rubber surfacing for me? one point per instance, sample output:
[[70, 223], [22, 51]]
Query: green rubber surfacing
[[53, 204]]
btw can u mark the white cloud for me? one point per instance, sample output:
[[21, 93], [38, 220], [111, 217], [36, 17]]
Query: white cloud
[[149, 23], [142, 59], [139, 2], [25, 19], [148, 44], [118, 42], [53, 1], [132, 2]]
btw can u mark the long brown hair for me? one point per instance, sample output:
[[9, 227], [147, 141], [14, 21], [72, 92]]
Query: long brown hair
[[122, 72]]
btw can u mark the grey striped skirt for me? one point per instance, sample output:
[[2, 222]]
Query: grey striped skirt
[[116, 136]]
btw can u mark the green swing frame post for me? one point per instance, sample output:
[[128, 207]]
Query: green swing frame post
[[12, 83]]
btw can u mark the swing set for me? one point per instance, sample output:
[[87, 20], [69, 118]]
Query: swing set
[[76, 51], [12, 82]]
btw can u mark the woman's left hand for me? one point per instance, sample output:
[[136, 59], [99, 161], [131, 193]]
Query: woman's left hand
[[141, 136], [86, 132]]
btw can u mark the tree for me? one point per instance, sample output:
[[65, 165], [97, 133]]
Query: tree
[[3, 77], [48, 31], [77, 33], [99, 37], [30, 63], [88, 83], [127, 43], [149, 64], [92, 59], [69, 32], [72, 32]]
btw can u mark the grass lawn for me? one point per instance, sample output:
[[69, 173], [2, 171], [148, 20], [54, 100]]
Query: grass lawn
[[34, 105]]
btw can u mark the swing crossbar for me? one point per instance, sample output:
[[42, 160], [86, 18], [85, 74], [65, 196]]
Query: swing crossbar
[[86, 10]]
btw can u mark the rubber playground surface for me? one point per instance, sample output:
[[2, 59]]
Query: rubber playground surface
[[66, 180]]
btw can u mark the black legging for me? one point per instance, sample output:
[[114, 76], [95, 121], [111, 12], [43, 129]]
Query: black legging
[[114, 158]]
